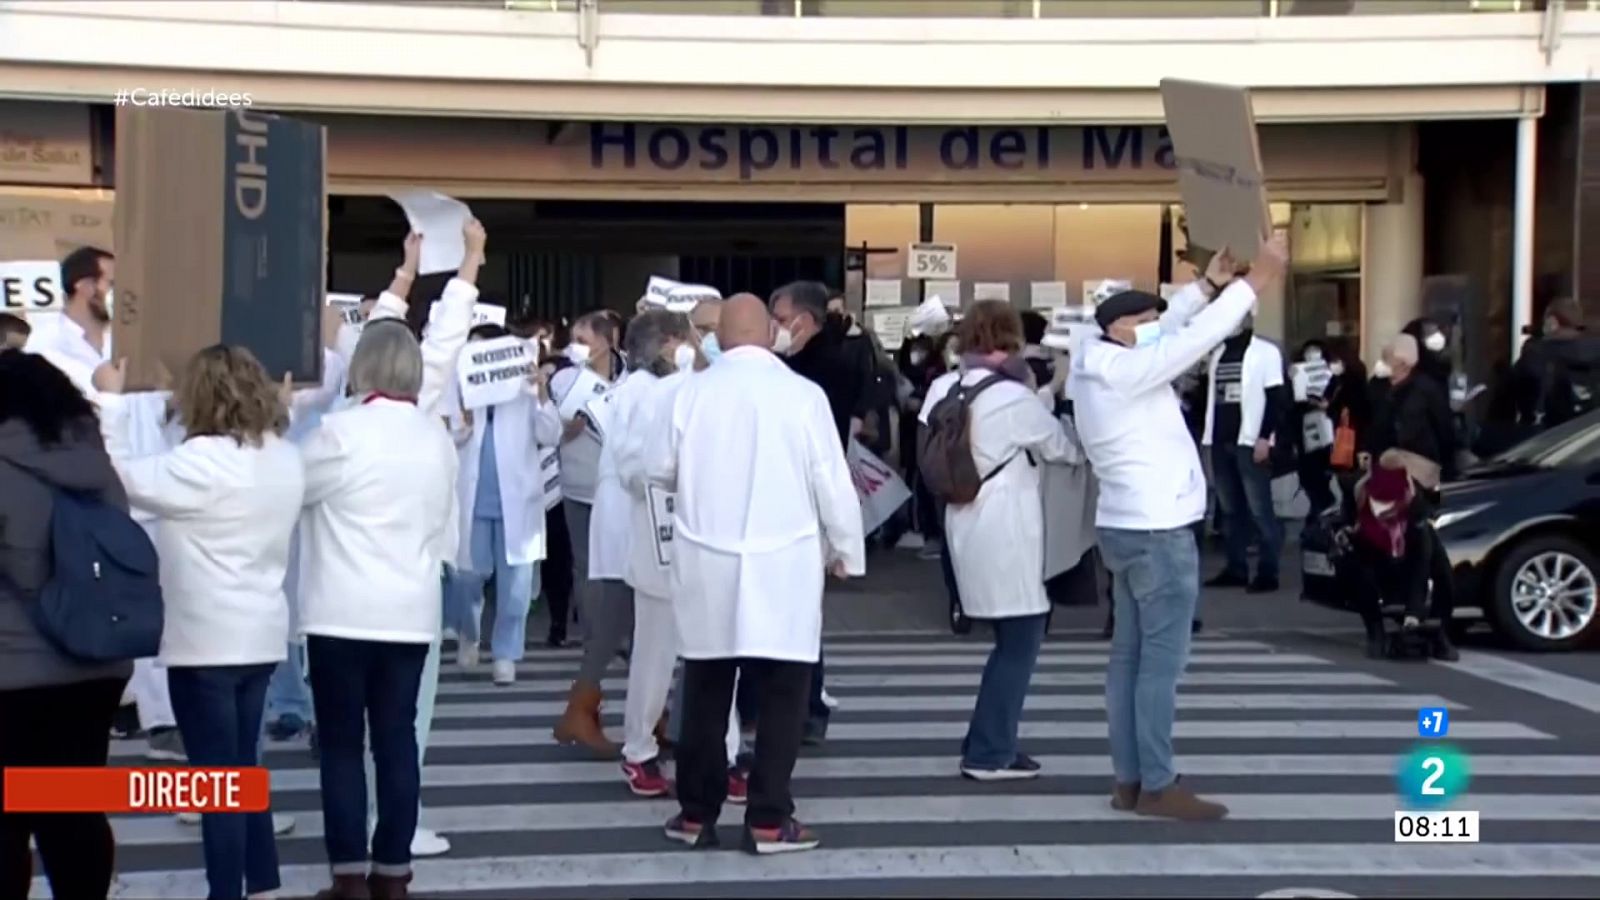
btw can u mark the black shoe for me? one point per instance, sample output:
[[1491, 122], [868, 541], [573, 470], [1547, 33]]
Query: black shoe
[[1262, 586], [1226, 579], [1377, 646], [1443, 650], [815, 733], [556, 641], [1195, 626], [1109, 630], [125, 723]]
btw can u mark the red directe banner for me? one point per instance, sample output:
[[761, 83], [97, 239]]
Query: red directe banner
[[200, 790]]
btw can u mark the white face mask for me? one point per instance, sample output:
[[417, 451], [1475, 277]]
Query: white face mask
[[711, 347], [1336, 367], [683, 358], [578, 353], [1379, 508], [111, 306], [783, 341], [1313, 356], [1434, 342], [1146, 333], [1380, 369], [918, 357]]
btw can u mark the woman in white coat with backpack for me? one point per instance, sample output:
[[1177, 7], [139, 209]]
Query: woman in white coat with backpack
[[997, 540], [500, 495]]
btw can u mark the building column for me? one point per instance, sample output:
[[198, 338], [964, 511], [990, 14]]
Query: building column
[[1391, 267], [1522, 207]]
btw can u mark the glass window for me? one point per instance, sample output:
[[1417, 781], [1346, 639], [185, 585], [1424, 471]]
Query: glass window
[[1374, 7], [946, 9], [1149, 9], [701, 7]]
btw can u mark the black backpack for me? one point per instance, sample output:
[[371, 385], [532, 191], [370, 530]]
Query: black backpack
[[944, 451], [102, 601]]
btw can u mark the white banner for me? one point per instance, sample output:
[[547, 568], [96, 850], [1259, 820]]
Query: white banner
[[675, 296], [442, 222], [661, 510], [488, 314], [494, 371], [881, 491], [30, 286]]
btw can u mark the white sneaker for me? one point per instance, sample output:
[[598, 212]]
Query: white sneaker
[[828, 701], [467, 655], [282, 823], [505, 672], [450, 634], [911, 541], [427, 842]]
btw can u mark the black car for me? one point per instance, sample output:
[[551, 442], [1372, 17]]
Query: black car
[[1523, 534]]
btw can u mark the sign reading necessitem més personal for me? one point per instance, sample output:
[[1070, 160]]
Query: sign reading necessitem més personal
[[494, 371], [30, 287]]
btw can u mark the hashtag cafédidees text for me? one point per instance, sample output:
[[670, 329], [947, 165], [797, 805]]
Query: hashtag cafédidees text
[[192, 98]]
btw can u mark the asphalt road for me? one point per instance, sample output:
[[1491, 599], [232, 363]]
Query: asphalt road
[[1281, 717]]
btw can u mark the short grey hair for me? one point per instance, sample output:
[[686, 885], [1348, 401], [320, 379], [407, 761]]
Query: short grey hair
[[1402, 349], [648, 334], [387, 360]]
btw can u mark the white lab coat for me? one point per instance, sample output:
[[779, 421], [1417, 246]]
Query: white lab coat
[[639, 429], [764, 503], [997, 541], [610, 518], [521, 428]]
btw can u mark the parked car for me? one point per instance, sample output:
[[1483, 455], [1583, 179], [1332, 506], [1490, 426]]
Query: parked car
[[1523, 534]]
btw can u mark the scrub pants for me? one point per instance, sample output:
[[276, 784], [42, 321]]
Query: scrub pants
[[514, 590], [655, 655], [149, 689]]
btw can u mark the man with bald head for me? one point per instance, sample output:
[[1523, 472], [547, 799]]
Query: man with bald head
[[764, 508]]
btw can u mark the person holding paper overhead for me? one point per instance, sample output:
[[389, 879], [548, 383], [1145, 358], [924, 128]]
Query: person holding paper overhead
[[500, 492], [1152, 491], [596, 364], [765, 509]]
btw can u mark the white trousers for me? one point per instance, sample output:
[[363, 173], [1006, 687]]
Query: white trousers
[[650, 668], [148, 689]]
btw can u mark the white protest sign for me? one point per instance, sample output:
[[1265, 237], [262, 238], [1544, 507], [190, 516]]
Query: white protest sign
[[1098, 290], [877, 486], [891, 327], [991, 290], [1214, 141], [585, 387], [441, 221], [600, 412], [30, 286], [883, 292], [927, 260], [1069, 327], [947, 291], [662, 507], [349, 306], [493, 371], [488, 314], [1048, 294], [675, 296], [550, 471]]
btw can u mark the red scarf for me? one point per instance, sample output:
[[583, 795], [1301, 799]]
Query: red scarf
[[1387, 532], [380, 395]]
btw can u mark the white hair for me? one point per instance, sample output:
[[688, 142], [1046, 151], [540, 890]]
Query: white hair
[[1402, 350], [387, 360]]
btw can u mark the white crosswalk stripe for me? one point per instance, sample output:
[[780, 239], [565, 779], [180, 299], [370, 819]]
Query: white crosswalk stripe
[[1303, 750]]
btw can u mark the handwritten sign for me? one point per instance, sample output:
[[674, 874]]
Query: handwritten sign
[[30, 286], [663, 504], [879, 489], [494, 371]]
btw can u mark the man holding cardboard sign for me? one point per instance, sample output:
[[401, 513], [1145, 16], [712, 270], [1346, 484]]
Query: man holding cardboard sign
[[1213, 130]]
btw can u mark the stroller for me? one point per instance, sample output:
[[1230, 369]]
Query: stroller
[[1394, 597]]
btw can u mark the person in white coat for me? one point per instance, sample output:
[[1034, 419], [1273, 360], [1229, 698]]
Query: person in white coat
[[500, 495], [765, 508], [997, 541], [662, 355], [1152, 491], [226, 500]]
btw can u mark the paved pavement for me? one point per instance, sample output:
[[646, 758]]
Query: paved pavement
[[1292, 728]]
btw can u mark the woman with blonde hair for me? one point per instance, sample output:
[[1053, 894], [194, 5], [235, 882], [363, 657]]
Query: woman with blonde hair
[[225, 501]]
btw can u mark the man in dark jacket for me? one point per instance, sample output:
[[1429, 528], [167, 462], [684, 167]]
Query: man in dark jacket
[[1557, 377]]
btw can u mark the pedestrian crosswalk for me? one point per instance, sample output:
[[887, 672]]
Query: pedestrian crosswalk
[[1302, 747]]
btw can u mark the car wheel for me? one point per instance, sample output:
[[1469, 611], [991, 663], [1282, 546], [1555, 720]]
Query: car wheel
[[1547, 594], [959, 623]]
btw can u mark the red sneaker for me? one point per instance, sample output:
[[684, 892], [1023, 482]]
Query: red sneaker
[[645, 779], [738, 787]]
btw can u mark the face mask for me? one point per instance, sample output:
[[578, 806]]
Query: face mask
[[1336, 367], [1379, 508], [783, 341], [918, 357], [1146, 333], [578, 353], [1313, 356], [111, 307], [710, 347], [1434, 342], [1380, 369], [683, 357], [952, 359]]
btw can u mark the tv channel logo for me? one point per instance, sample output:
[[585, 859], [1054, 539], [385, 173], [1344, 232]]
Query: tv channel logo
[[1433, 722]]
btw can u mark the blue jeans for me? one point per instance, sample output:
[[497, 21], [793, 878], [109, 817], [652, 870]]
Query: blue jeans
[[1155, 583], [362, 687], [287, 693], [1244, 491], [514, 589], [219, 711], [991, 741]]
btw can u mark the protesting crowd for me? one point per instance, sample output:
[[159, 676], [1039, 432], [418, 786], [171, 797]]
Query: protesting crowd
[[676, 486]]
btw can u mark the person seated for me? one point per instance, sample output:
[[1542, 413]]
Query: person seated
[[1392, 547]]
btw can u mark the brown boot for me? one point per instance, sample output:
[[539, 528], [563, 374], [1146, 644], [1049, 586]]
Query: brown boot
[[662, 740], [1178, 802], [389, 887], [580, 724], [346, 887], [1124, 797]]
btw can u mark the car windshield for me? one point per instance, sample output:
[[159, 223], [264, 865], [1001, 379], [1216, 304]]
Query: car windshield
[[1577, 441]]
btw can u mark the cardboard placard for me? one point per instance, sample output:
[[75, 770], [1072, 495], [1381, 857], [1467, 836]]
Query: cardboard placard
[[221, 233], [30, 286], [1214, 140], [494, 371]]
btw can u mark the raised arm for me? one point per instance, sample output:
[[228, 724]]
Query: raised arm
[[170, 484]]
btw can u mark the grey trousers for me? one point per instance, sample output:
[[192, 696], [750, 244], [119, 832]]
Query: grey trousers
[[605, 606]]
